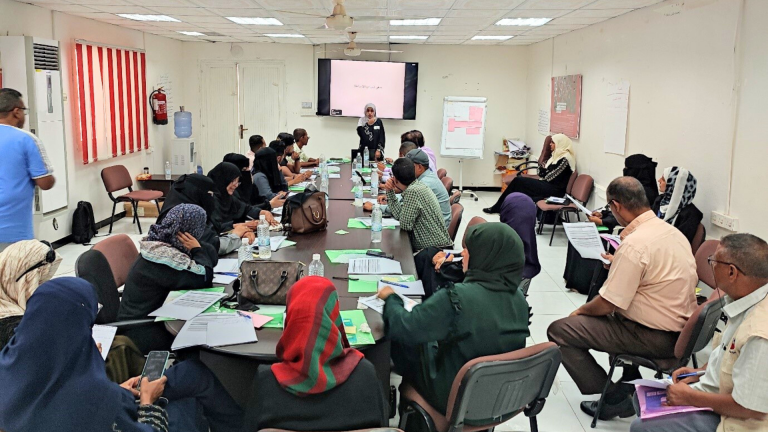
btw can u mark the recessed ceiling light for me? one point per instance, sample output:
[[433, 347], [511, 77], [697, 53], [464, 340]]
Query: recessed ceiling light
[[255, 21], [530, 22], [140, 17], [191, 33], [409, 37], [416, 22], [285, 35], [492, 37]]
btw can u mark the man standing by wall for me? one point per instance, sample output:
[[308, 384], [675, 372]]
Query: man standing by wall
[[23, 165]]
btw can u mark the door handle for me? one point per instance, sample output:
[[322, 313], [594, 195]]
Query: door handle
[[242, 129]]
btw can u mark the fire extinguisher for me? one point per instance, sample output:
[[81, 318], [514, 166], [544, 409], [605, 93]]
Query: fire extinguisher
[[159, 106]]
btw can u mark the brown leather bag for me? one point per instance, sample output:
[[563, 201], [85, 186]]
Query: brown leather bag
[[268, 282], [304, 212]]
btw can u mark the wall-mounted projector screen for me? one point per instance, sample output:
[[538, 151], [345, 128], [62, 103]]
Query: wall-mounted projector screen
[[344, 87]]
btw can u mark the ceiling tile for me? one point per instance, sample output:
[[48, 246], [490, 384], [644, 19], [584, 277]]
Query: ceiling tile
[[255, 39], [456, 30], [293, 4], [178, 11], [420, 4], [238, 4], [617, 4], [61, 7], [100, 16], [366, 12], [541, 31], [213, 19], [487, 4], [568, 20], [477, 13], [123, 9], [478, 22], [233, 12], [42, 3], [555, 4], [298, 13], [508, 31], [418, 13], [160, 3], [537, 13], [605, 13]]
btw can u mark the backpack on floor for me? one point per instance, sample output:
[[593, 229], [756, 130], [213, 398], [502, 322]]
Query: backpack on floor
[[83, 223]]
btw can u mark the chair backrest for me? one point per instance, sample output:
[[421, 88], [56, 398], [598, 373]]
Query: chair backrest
[[93, 266], [448, 183], [703, 269], [582, 187], [490, 390], [457, 210], [698, 238], [700, 327], [571, 181], [441, 173], [121, 253], [116, 178], [386, 429], [455, 198]]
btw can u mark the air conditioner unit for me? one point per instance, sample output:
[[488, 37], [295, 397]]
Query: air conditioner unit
[[32, 66]]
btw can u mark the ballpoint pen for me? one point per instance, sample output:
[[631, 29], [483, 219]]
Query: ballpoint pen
[[397, 284], [345, 278], [227, 273]]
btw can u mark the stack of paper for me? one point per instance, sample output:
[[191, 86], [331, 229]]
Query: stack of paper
[[374, 266], [652, 398], [188, 305], [377, 304], [385, 222], [104, 335], [214, 308], [226, 271], [370, 283], [415, 288], [215, 330], [342, 256]]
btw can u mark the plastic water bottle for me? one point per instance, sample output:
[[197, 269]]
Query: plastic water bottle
[[316, 267], [359, 162], [167, 170], [358, 192], [265, 247], [182, 123], [244, 253], [374, 183], [366, 158], [376, 225], [324, 189]]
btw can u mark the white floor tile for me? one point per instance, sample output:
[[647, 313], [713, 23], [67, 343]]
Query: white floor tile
[[550, 303]]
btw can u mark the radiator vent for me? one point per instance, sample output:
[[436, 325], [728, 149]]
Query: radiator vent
[[46, 57]]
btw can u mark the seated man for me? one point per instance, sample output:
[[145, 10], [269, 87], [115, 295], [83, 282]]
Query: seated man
[[288, 176], [429, 178], [298, 159], [384, 175], [734, 384], [256, 143], [642, 307], [417, 137]]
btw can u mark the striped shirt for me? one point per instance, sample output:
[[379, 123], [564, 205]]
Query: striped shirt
[[420, 215]]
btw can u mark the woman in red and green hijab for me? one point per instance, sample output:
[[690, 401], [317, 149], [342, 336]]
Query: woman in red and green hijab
[[320, 382]]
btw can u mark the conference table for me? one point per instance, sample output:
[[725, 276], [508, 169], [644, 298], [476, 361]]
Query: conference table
[[236, 365]]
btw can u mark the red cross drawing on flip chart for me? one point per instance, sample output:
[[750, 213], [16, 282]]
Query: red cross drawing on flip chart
[[473, 126]]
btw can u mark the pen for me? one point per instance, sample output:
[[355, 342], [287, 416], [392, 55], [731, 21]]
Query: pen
[[345, 278], [398, 285], [448, 255], [227, 274], [697, 373]]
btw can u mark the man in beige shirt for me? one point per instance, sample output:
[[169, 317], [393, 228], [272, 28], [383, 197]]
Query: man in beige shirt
[[642, 307]]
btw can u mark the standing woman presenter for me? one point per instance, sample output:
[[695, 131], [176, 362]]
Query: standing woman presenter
[[370, 129]]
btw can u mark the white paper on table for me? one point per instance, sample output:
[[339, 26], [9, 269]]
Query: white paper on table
[[578, 205], [334, 176], [104, 335], [385, 222], [374, 266], [195, 331], [224, 279], [238, 330], [377, 304], [188, 305], [278, 210], [226, 265], [275, 242], [333, 163], [344, 258], [586, 240], [414, 288], [655, 383], [290, 194]]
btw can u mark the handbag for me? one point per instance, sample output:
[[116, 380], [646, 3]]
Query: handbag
[[304, 212], [268, 282]]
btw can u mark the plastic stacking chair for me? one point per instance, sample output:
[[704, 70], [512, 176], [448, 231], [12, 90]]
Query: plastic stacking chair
[[441, 173], [448, 183], [490, 390], [695, 336], [121, 253], [117, 178], [457, 210]]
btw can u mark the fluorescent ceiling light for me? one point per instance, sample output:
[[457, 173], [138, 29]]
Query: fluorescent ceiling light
[[285, 35], [409, 37], [416, 22], [492, 37], [140, 17], [255, 21], [191, 33], [530, 22]]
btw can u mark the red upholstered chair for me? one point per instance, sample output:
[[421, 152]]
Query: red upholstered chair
[[703, 268], [448, 183], [117, 178], [696, 334], [579, 187], [441, 173], [490, 390], [457, 210], [455, 198], [121, 253], [698, 238]]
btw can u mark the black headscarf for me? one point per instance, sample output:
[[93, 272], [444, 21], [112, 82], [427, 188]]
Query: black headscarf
[[643, 168], [245, 190], [199, 190], [265, 162], [229, 208]]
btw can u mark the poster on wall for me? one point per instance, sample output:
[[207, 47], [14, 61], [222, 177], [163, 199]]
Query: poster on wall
[[565, 109], [615, 120]]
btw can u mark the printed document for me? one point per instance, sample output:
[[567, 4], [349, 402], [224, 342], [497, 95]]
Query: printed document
[[374, 266], [104, 335], [188, 305], [586, 240], [196, 331], [377, 304]]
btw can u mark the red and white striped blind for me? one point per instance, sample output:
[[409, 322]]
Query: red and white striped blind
[[112, 101]]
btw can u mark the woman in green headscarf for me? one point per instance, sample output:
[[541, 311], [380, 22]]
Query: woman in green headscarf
[[484, 315]]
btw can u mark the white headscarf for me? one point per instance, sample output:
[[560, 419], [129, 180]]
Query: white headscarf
[[563, 149], [680, 191], [364, 119], [15, 260]]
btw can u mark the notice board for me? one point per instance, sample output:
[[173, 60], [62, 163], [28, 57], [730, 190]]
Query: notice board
[[565, 108]]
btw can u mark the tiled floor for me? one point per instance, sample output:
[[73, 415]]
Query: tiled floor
[[548, 297]]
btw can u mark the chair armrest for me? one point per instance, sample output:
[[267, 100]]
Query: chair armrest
[[524, 166], [130, 324]]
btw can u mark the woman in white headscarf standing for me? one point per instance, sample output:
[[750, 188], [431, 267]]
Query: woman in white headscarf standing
[[370, 129], [553, 177]]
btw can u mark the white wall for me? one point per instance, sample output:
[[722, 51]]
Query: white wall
[[681, 69], [163, 57], [498, 73]]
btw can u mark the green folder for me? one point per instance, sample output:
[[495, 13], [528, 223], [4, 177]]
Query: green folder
[[334, 255], [276, 312], [295, 188], [356, 223], [602, 229], [359, 338], [370, 283]]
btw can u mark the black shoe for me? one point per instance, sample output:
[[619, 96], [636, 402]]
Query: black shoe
[[489, 210], [622, 409]]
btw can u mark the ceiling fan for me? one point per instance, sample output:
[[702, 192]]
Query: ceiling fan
[[353, 51], [339, 20]]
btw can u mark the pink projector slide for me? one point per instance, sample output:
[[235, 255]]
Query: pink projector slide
[[357, 83]]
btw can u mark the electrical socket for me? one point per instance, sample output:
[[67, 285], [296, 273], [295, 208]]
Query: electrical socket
[[731, 223]]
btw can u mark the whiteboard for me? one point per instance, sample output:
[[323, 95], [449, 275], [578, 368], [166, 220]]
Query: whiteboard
[[463, 127]]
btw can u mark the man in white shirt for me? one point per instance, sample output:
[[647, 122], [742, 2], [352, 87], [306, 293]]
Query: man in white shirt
[[735, 381], [299, 159]]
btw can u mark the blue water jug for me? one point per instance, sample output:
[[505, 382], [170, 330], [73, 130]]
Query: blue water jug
[[182, 123]]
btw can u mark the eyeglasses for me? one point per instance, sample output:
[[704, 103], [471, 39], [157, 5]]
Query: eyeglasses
[[50, 257], [711, 260]]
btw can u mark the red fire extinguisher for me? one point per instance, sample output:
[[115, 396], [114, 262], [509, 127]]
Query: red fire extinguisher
[[159, 106]]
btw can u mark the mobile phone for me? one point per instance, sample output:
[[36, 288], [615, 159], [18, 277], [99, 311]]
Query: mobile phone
[[154, 368], [378, 254]]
